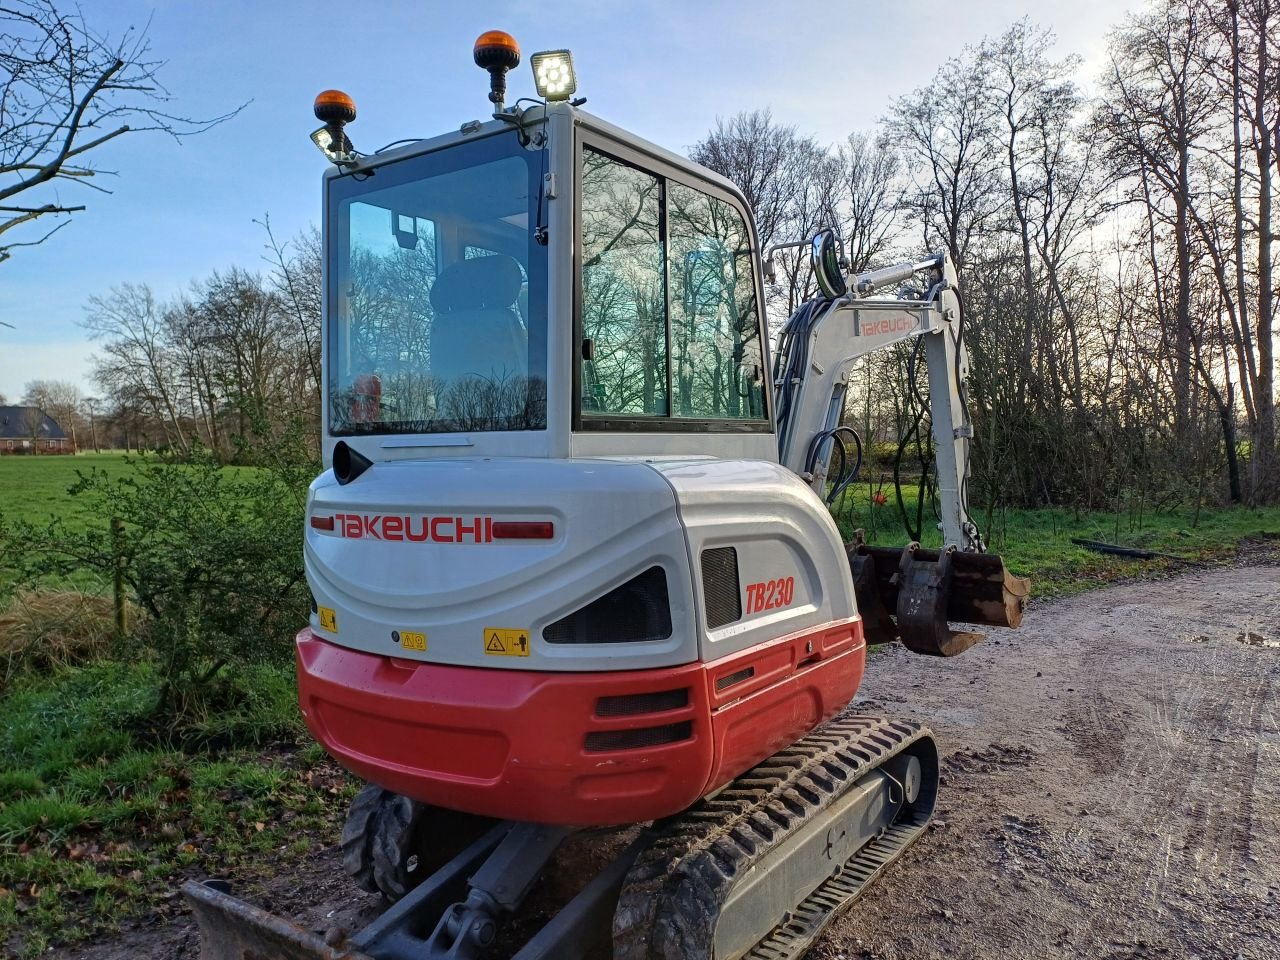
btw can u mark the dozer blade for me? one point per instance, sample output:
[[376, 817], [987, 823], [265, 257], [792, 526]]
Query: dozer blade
[[231, 929], [926, 590]]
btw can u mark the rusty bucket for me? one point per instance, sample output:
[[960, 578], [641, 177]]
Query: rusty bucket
[[914, 595]]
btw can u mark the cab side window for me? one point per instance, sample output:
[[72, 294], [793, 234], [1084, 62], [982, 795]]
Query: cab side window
[[669, 316], [623, 290], [715, 338]]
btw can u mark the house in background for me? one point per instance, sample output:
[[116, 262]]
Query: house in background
[[30, 430]]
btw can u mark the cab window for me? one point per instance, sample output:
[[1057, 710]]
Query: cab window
[[715, 337], [437, 294], [669, 317], [624, 368]]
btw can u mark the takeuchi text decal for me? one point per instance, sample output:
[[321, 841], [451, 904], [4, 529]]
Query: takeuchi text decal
[[419, 529], [878, 326]]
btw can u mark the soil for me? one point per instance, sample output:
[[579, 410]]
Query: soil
[[1111, 782]]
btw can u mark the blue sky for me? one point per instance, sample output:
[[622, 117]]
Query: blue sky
[[664, 70]]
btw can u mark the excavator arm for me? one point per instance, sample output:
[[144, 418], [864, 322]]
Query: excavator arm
[[909, 594]]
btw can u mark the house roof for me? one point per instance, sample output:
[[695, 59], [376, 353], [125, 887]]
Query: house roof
[[15, 424]]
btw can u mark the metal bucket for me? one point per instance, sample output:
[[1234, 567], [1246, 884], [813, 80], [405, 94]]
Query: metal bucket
[[913, 595]]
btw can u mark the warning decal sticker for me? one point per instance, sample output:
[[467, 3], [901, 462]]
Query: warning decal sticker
[[504, 642], [411, 640], [328, 619]]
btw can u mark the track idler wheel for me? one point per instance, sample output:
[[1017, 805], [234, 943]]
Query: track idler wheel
[[391, 843]]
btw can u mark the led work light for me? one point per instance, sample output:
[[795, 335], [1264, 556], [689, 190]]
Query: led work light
[[553, 74]]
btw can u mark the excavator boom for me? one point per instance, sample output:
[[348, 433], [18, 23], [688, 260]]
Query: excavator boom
[[908, 593]]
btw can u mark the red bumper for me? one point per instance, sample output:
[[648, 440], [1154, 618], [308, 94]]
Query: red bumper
[[585, 749]]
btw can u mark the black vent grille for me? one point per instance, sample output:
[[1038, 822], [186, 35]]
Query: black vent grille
[[632, 703], [637, 611], [720, 586], [604, 740], [728, 680]]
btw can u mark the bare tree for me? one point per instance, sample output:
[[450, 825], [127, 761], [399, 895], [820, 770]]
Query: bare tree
[[137, 365], [65, 90], [1249, 28], [296, 278], [33, 424], [871, 194], [770, 163], [946, 133], [793, 186], [1156, 114], [91, 405]]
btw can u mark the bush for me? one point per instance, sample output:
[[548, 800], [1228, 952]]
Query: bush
[[210, 554]]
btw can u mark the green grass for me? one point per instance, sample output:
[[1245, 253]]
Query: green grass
[[102, 814], [1037, 543], [104, 807], [35, 488]]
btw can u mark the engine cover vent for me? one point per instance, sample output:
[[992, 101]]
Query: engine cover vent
[[630, 704], [721, 590], [600, 741], [635, 612]]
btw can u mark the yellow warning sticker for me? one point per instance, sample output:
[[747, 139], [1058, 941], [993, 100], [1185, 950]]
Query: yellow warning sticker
[[502, 642], [328, 619], [413, 641]]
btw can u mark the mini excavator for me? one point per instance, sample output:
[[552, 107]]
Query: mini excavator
[[572, 561]]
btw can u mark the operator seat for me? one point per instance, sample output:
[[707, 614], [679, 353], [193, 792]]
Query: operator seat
[[476, 330]]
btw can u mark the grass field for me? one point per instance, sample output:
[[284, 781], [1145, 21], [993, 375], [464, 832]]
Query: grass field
[[103, 811], [102, 815], [35, 488], [1037, 543]]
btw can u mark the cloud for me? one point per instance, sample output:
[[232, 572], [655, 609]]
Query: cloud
[[67, 359]]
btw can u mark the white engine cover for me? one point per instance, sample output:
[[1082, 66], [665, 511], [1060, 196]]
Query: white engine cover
[[411, 553], [792, 570]]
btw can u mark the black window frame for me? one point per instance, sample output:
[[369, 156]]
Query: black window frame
[[668, 422]]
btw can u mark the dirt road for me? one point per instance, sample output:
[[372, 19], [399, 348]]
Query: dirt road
[[1111, 784], [1111, 790]]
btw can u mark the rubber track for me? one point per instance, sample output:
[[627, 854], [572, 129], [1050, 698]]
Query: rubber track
[[357, 837], [673, 894], [376, 839]]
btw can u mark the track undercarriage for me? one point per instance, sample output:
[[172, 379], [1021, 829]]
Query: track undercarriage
[[755, 871]]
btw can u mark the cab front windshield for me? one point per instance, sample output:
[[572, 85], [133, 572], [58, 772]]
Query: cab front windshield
[[437, 293]]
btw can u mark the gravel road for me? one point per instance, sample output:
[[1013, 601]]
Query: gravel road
[[1111, 782]]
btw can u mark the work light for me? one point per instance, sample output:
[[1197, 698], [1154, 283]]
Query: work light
[[553, 74]]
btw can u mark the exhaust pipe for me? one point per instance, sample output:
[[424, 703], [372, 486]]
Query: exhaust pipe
[[348, 464]]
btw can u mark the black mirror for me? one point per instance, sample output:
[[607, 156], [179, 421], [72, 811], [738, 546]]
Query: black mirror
[[405, 229], [824, 252]]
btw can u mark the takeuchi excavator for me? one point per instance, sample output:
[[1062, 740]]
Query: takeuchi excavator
[[572, 560]]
